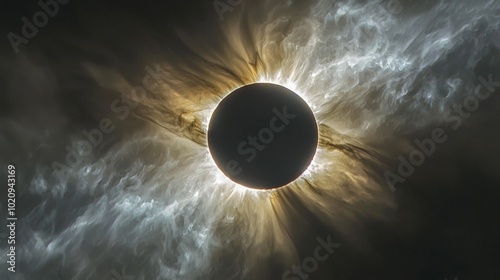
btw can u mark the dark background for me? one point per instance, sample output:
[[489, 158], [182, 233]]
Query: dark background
[[447, 220]]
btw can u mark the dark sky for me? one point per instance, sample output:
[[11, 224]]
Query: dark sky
[[445, 220]]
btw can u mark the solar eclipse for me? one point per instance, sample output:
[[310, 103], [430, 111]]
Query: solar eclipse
[[263, 136]]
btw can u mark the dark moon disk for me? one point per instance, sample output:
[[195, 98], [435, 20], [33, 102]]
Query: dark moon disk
[[263, 136]]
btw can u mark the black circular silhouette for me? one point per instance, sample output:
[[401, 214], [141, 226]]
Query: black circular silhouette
[[263, 136]]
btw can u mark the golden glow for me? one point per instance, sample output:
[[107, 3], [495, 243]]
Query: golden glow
[[337, 186]]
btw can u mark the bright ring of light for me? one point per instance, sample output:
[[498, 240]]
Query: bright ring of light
[[263, 136]]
